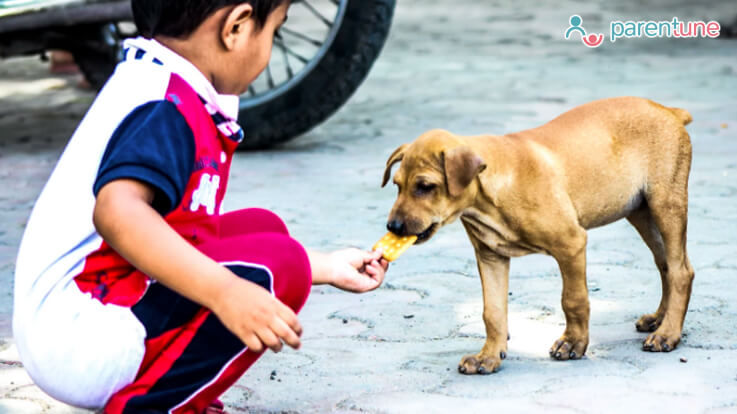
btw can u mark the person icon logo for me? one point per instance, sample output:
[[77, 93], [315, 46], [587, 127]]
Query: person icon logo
[[591, 40], [576, 21]]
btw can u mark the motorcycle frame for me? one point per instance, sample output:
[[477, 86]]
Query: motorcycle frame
[[58, 26]]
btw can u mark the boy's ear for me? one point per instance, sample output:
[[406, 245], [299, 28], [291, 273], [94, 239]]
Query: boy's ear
[[236, 23]]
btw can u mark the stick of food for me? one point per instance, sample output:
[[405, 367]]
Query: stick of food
[[393, 245]]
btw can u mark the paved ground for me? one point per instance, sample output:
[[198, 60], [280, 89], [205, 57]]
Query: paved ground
[[471, 67]]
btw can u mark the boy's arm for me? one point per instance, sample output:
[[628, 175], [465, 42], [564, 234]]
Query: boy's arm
[[353, 270], [125, 219]]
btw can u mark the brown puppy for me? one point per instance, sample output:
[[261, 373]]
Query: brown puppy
[[538, 191]]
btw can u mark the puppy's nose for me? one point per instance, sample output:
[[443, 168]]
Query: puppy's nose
[[396, 227]]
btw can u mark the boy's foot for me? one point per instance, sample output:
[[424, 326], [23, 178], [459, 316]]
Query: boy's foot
[[216, 407]]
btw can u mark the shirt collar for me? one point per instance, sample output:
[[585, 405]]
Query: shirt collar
[[154, 51]]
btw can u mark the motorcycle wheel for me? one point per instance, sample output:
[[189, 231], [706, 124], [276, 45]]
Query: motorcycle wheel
[[101, 51], [311, 89]]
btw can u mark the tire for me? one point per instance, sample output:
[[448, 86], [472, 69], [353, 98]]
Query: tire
[[98, 51], [96, 65], [327, 85]]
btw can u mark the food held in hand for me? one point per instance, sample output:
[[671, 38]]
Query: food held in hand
[[393, 245]]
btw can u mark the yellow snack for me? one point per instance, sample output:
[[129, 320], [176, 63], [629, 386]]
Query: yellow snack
[[393, 245]]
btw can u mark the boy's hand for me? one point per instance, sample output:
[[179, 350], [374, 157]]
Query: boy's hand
[[356, 270], [256, 317]]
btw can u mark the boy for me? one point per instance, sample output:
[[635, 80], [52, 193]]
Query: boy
[[133, 292]]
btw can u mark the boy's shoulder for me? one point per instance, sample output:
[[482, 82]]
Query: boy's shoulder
[[128, 89], [130, 83]]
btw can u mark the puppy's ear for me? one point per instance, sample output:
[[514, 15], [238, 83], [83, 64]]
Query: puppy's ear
[[462, 165], [393, 159]]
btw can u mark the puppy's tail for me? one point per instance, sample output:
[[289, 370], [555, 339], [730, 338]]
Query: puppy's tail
[[682, 114]]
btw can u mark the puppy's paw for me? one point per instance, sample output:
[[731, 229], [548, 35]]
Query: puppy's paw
[[483, 364], [567, 348], [661, 341], [648, 322]]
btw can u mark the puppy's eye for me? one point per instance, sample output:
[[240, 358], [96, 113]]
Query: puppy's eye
[[424, 188]]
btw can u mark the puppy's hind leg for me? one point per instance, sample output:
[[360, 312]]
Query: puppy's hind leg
[[642, 220], [668, 204], [670, 217]]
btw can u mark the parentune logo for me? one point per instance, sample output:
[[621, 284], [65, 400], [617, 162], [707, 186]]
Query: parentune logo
[[650, 29]]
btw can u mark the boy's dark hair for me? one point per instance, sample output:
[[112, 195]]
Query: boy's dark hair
[[179, 18]]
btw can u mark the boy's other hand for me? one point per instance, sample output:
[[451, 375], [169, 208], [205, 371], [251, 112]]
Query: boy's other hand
[[256, 317], [357, 270]]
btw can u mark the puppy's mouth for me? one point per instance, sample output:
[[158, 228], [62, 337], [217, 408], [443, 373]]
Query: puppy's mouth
[[425, 235]]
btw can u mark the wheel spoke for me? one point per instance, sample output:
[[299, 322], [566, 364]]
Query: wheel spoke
[[280, 45], [269, 78], [289, 51], [301, 36], [317, 14]]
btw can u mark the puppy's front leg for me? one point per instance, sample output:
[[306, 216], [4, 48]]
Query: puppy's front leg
[[494, 270], [571, 257]]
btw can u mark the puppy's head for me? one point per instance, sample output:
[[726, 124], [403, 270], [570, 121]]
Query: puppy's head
[[436, 181]]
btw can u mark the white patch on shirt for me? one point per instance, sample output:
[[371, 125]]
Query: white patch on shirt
[[206, 194]]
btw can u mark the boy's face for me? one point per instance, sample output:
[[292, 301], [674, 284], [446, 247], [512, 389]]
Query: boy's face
[[254, 53]]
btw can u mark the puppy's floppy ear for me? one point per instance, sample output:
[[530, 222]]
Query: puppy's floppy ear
[[397, 156], [462, 165]]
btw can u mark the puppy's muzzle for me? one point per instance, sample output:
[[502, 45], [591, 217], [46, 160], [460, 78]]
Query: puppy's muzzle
[[399, 228]]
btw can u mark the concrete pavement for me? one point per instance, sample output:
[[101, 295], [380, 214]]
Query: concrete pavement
[[471, 67]]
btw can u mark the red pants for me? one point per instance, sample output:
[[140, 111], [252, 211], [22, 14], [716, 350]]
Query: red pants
[[190, 357]]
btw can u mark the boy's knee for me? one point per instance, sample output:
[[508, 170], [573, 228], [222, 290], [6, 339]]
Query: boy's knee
[[291, 269], [252, 220], [269, 220], [287, 271]]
